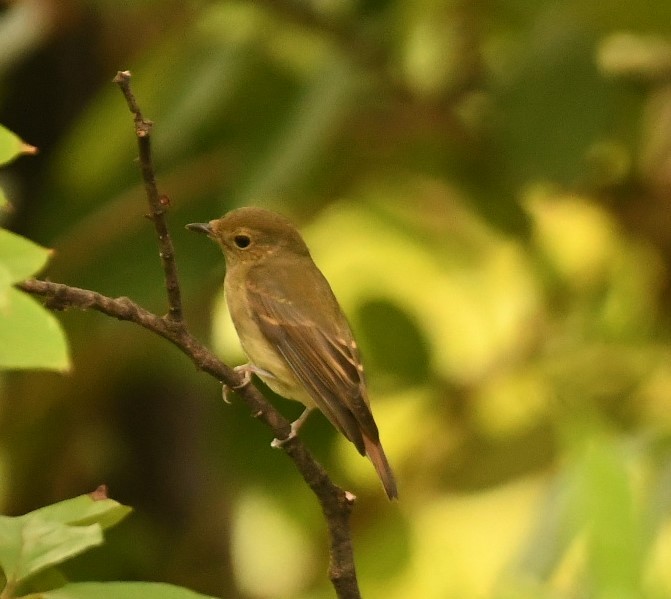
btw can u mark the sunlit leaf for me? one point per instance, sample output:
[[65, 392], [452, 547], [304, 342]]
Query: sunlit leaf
[[616, 535], [30, 543], [30, 336], [85, 510], [20, 256], [12, 146], [52, 534], [5, 285]]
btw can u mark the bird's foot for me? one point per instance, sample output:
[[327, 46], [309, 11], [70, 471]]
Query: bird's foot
[[247, 370], [277, 443], [295, 427]]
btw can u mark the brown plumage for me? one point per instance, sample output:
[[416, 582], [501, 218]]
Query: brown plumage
[[292, 328]]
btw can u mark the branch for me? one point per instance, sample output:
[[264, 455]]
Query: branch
[[157, 203], [336, 504]]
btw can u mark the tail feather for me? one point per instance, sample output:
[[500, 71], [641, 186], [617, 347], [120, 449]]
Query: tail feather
[[376, 455]]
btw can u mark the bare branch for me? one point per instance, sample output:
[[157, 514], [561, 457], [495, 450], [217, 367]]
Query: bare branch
[[157, 203], [336, 504]]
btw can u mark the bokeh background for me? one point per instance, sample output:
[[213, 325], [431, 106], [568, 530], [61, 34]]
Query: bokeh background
[[487, 185]]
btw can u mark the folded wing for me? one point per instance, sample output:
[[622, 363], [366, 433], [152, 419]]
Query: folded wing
[[322, 355]]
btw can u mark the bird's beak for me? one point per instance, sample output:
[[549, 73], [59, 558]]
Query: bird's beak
[[200, 228]]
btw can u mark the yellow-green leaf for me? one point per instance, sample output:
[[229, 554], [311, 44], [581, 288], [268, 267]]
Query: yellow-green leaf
[[50, 535], [20, 256], [12, 146], [30, 336], [84, 510], [5, 284], [29, 544]]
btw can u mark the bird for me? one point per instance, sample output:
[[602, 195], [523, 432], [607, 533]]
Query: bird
[[292, 328]]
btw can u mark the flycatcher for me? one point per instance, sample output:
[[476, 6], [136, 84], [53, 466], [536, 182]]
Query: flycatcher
[[292, 328]]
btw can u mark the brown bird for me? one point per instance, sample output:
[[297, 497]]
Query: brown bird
[[292, 328]]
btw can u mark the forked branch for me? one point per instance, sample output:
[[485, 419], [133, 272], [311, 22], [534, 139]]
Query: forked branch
[[336, 504]]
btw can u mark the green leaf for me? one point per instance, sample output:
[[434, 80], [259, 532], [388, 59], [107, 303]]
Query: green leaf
[[5, 284], [29, 544], [20, 256], [49, 578], [616, 556], [52, 534], [12, 146], [121, 590], [85, 510], [30, 336]]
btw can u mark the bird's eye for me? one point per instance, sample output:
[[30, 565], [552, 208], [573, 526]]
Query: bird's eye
[[242, 241]]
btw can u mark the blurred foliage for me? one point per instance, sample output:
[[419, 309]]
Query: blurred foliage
[[486, 185]]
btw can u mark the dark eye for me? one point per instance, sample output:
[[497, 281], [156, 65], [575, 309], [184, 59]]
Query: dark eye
[[242, 241]]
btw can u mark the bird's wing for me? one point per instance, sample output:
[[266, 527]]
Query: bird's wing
[[319, 349]]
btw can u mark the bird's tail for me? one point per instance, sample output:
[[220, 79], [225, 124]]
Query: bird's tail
[[376, 455]]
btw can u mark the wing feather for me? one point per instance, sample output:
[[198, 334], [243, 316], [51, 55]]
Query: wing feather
[[322, 356]]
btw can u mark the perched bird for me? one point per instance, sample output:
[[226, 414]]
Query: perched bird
[[292, 328]]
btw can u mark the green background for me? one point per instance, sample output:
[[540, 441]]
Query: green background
[[486, 184]]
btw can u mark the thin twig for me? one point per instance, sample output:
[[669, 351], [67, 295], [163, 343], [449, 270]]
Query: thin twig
[[62, 297], [157, 203]]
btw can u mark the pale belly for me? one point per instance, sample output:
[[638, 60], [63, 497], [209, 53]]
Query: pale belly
[[272, 369]]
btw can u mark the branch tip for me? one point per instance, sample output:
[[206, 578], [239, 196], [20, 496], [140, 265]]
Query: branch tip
[[121, 77], [157, 202]]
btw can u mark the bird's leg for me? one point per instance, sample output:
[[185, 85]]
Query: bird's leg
[[295, 427], [247, 371]]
